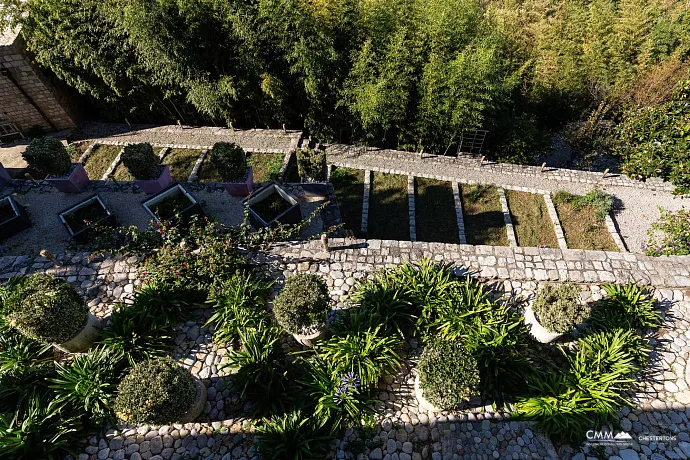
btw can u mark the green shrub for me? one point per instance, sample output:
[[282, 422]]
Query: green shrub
[[44, 308], [48, 156], [558, 307], [157, 392], [448, 373], [238, 304], [670, 235], [601, 201], [383, 296], [302, 304], [311, 165], [627, 306], [88, 383], [369, 353], [292, 436], [261, 369], [140, 161], [230, 161]]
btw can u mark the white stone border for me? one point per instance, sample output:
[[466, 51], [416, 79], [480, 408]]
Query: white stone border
[[113, 166], [458, 213], [510, 230], [411, 207], [197, 166], [365, 201], [611, 226], [560, 236]]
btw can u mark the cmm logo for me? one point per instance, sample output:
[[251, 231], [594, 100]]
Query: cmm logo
[[605, 436]]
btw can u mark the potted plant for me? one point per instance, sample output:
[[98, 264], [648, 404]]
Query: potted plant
[[272, 204], [83, 219], [313, 171], [13, 218], [447, 375], [172, 203], [47, 157], [556, 310], [301, 308], [47, 309], [160, 392], [144, 165], [231, 163]]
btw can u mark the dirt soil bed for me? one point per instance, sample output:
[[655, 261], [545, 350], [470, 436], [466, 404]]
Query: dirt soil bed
[[533, 225], [349, 191], [271, 207], [389, 208], [483, 215], [85, 216], [435, 215], [582, 228]]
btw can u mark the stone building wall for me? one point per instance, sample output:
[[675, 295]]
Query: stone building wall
[[15, 106]]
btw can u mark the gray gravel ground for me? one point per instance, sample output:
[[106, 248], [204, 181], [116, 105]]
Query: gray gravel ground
[[638, 207]]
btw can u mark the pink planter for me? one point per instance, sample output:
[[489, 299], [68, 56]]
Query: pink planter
[[241, 188], [154, 186], [75, 182]]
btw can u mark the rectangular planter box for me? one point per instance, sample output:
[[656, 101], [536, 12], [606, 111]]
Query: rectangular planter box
[[4, 175], [174, 192], [241, 188], [83, 235], [17, 222], [292, 215], [76, 181], [156, 185]]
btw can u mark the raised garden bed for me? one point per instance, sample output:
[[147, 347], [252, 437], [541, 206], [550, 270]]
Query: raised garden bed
[[582, 228], [266, 166], [483, 215], [435, 216], [388, 208], [273, 204], [83, 219], [181, 162], [74, 181], [531, 220], [174, 202], [100, 159], [13, 218], [349, 192]]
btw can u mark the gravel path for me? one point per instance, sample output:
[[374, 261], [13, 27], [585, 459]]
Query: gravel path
[[636, 208]]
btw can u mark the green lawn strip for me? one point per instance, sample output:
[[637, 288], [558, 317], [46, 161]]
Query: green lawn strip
[[435, 216], [208, 173], [388, 208], [266, 166], [77, 150], [99, 161], [533, 225], [483, 215], [181, 162], [581, 227], [349, 191], [122, 174]]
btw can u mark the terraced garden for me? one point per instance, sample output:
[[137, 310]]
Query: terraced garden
[[484, 223], [349, 191], [531, 220], [436, 217], [389, 208], [100, 159]]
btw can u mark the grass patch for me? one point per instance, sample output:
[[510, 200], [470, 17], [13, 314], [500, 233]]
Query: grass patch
[[483, 215], [388, 208], [349, 191], [582, 228], [265, 166], [533, 225], [99, 161], [436, 219], [208, 172], [77, 150], [181, 162]]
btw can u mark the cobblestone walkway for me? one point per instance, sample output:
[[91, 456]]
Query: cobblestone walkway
[[637, 207]]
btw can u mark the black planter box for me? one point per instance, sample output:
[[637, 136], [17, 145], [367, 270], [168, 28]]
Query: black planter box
[[17, 223], [176, 190], [83, 235], [292, 215]]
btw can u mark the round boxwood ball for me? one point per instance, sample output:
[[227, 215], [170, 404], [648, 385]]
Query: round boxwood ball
[[44, 308], [158, 391], [48, 156], [558, 307], [448, 374], [302, 303], [140, 161]]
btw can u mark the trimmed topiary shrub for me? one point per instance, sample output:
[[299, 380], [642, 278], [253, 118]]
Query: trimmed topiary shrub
[[158, 392], [311, 165], [44, 308], [48, 156], [558, 307], [141, 162], [448, 373], [302, 303], [230, 161]]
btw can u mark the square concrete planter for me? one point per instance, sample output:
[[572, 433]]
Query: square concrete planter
[[75, 181], [13, 216], [272, 205], [171, 203], [156, 185], [83, 219], [241, 188], [4, 175]]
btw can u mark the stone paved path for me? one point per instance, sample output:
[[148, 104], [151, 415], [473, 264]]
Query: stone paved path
[[638, 202]]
